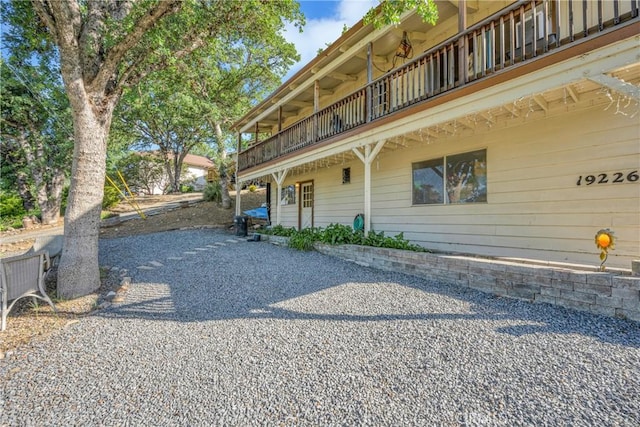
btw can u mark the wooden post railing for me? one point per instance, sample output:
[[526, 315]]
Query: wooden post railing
[[518, 33]]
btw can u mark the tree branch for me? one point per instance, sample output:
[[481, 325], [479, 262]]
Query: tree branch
[[116, 54], [67, 22], [136, 77], [44, 12]]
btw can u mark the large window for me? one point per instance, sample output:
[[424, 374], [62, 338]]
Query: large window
[[461, 178]]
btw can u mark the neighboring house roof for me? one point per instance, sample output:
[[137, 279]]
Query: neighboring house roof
[[189, 160], [197, 161]]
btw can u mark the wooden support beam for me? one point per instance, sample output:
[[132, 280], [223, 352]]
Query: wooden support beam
[[300, 104], [513, 110], [463, 49], [411, 137], [279, 177], [617, 85], [573, 94], [367, 158], [485, 115], [342, 77], [539, 99], [238, 184], [316, 96], [466, 123]]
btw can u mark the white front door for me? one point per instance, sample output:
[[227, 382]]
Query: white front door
[[306, 205]]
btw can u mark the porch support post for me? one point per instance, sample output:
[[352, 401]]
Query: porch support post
[[238, 184], [316, 108], [367, 158], [238, 191], [463, 55], [369, 92], [279, 177], [257, 131]]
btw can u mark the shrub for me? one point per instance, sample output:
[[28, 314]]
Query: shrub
[[12, 211], [304, 239], [252, 188], [184, 188], [111, 197], [212, 192], [278, 230], [338, 234], [11, 205]]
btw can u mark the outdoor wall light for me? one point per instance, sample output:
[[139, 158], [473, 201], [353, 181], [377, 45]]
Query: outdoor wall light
[[405, 49]]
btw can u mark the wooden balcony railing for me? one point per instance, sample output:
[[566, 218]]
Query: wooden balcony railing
[[522, 32]]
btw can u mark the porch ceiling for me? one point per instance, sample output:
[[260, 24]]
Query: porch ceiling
[[583, 94], [332, 67]]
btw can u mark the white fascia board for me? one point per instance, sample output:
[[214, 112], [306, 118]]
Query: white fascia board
[[567, 72]]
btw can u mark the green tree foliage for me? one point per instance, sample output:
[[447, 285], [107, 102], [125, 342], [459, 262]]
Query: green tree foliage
[[143, 172], [106, 47], [159, 113], [389, 12], [189, 106], [36, 132]]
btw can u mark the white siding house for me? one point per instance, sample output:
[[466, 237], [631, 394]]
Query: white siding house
[[467, 143], [194, 173]]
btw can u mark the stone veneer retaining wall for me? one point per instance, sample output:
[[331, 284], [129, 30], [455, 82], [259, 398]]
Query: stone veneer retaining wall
[[605, 293]]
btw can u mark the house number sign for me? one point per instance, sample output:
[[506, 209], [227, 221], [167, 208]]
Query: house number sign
[[605, 178]]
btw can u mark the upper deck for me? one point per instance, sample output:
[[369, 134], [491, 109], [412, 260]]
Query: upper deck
[[338, 94]]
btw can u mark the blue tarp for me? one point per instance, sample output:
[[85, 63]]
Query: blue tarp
[[260, 213]]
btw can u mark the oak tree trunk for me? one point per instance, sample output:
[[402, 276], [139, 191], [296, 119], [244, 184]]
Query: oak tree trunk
[[28, 202], [78, 272], [222, 169], [48, 183], [49, 197]]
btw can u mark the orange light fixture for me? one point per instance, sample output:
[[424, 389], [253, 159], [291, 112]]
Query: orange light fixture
[[605, 242]]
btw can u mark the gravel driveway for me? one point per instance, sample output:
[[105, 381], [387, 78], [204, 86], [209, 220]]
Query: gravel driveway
[[216, 331]]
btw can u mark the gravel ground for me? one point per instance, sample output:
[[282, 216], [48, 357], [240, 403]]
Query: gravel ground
[[244, 333]]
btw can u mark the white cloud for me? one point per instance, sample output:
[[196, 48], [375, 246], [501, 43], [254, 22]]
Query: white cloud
[[318, 32]]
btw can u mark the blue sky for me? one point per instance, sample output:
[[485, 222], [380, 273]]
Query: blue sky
[[325, 20]]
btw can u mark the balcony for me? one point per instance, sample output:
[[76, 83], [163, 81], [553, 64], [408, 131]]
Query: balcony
[[524, 32]]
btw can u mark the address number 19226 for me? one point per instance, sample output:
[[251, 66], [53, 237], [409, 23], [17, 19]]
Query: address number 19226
[[604, 178]]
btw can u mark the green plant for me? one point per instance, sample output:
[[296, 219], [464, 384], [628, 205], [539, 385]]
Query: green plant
[[278, 230], [338, 234], [107, 214], [212, 192], [304, 239], [11, 205], [184, 188], [252, 188], [111, 197], [13, 222], [379, 240], [12, 211]]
